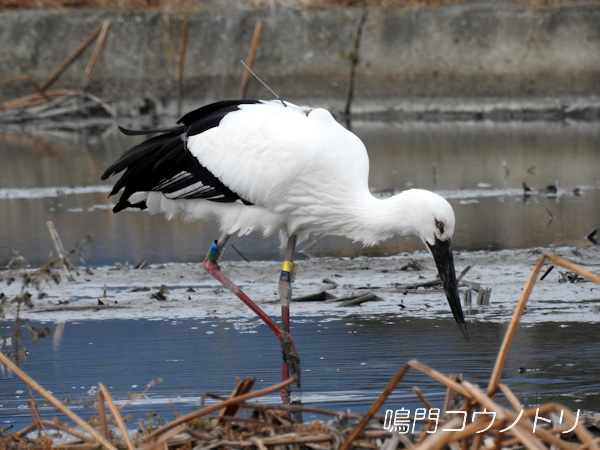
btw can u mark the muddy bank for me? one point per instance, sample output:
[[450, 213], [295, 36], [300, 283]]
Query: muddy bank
[[394, 286], [479, 60]]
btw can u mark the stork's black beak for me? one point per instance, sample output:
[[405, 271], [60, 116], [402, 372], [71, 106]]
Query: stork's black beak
[[442, 254]]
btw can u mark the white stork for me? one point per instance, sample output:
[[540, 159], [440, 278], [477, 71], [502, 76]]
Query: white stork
[[273, 166]]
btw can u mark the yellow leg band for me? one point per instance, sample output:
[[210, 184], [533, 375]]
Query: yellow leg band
[[289, 266]]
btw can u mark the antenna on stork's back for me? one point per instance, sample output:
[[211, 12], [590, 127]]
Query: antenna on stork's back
[[263, 83]]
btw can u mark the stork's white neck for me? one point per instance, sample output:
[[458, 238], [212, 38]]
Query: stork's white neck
[[366, 218], [375, 219]]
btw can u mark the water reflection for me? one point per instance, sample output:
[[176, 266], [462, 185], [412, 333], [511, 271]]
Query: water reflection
[[466, 154], [480, 166]]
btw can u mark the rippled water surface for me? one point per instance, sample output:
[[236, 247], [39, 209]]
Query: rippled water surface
[[346, 363]]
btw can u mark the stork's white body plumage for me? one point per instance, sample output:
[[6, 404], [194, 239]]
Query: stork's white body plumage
[[304, 174], [274, 166]]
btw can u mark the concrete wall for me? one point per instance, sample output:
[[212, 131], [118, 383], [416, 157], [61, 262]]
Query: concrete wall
[[482, 49], [473, 51]]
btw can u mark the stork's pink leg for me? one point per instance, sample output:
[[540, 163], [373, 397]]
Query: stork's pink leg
[[290, 356]]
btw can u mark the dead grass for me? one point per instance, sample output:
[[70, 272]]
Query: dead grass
[[124, 5], [142, 5]]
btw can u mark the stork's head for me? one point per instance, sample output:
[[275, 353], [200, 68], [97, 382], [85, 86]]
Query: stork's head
[[435, 217], [434, 224]]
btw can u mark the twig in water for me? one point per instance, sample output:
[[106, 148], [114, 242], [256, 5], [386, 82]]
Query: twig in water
[[464, 272], [135, 397], [592, 236], [322, 296], [547, 272], [467, 297], [60, 250], [356, 301]]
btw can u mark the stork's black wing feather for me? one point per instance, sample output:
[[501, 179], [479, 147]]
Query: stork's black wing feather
[[163, 163], [128, 132], [213, 111]]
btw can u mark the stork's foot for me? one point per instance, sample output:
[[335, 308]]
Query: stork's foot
[[291, 366], [290, 357]]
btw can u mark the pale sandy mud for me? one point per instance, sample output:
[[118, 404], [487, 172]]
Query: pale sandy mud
[[124, 292]]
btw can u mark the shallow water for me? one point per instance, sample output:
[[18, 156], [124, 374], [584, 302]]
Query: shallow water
[[479, 167], [346, 363], [346, 360]]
